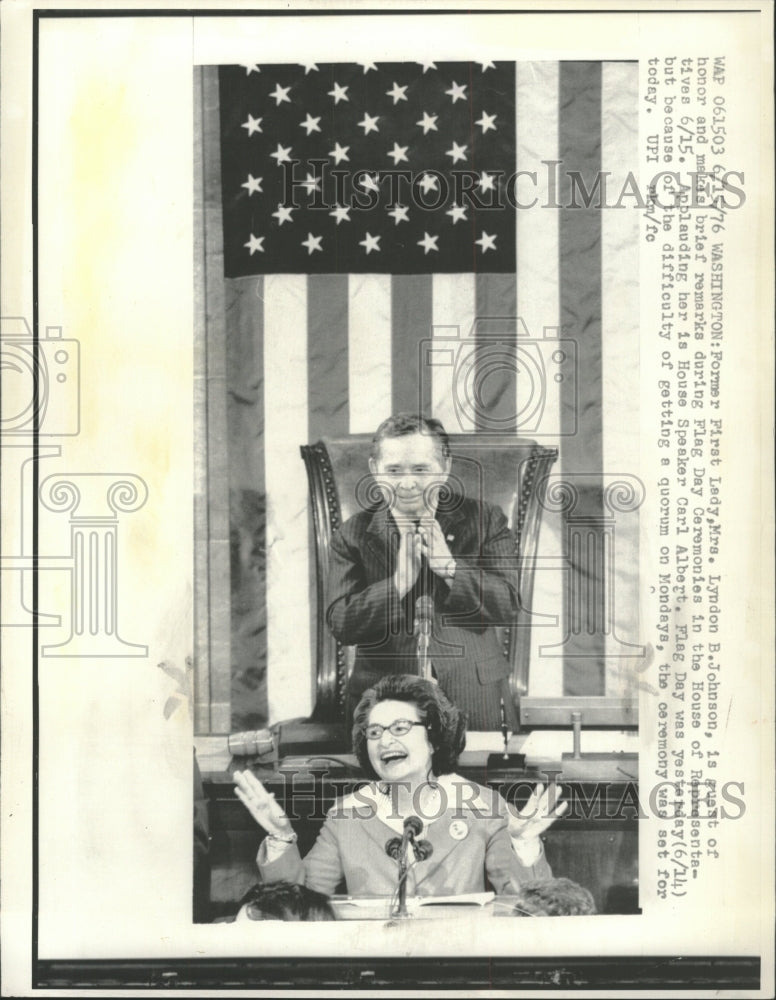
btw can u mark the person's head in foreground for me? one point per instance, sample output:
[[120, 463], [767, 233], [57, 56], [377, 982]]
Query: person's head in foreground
[[410, 459], [405, 729], [555, 897], [284, 901]]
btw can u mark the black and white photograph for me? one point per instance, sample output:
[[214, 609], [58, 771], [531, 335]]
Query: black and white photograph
[[379, 326], [387, 498]]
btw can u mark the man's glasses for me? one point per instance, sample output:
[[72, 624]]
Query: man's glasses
[[398, 728]]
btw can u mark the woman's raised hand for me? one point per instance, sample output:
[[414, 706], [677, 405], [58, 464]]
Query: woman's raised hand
[[539, 813], [261, 805]]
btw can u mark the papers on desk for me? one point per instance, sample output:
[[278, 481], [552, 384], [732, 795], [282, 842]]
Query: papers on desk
[[415, 902]]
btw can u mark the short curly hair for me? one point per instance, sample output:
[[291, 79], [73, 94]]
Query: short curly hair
[[285, 901], [555, 897], [445, 723]]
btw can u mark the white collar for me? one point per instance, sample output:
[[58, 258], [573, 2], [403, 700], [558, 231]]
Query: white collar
[[447, 787]]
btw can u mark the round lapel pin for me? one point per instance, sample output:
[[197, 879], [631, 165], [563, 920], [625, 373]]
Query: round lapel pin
[[459, 829]]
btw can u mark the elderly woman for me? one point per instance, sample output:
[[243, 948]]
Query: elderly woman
[[407, 736]]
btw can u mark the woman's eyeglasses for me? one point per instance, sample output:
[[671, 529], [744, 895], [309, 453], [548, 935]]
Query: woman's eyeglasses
[[398, 728]]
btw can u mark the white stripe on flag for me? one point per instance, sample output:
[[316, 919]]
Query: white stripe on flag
[[369, 350], [620, 354], [453, 313], [538, 290], [538, 305], [290, 674]]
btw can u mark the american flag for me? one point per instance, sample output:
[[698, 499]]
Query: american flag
[[319, 309]]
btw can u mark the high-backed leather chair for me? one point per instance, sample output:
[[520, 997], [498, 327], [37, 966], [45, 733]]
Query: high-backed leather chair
[[508, 472]]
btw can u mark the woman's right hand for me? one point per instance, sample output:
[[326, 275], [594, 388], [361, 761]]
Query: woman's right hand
[[262, 806]]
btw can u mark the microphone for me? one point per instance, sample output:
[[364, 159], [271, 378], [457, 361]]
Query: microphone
[[393, 848], [397, 847], [422, 849], [412, 827]]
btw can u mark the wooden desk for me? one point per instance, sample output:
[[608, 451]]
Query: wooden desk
[[595, 844]]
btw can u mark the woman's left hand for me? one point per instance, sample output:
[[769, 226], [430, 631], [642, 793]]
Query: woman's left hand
[[539, 813]]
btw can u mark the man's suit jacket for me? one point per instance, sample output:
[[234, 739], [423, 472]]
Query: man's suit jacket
[[365, 609], [469, 837]]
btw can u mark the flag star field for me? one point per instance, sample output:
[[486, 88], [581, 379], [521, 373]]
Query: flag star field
[[395, 168]]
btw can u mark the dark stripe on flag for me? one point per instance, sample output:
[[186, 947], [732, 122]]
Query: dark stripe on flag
[[247, 500], [327, 386], [327, 353], [411, 322], [494, 383], [579, 133]]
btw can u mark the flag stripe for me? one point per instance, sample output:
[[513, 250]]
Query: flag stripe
[[245, 355], [454, 312], [245, 348], [369, 355], [579, 133], [286, 423], [411, 323], [538, 306], [494, 384], [327, 355], [327, 383], [537, 231], [215, 548]]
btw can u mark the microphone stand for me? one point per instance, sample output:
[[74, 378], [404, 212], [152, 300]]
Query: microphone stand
[[423, 660], [424, 609], [398, 848], [404, 867]]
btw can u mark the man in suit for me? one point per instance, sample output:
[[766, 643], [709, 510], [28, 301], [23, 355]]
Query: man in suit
[[425, 539]]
